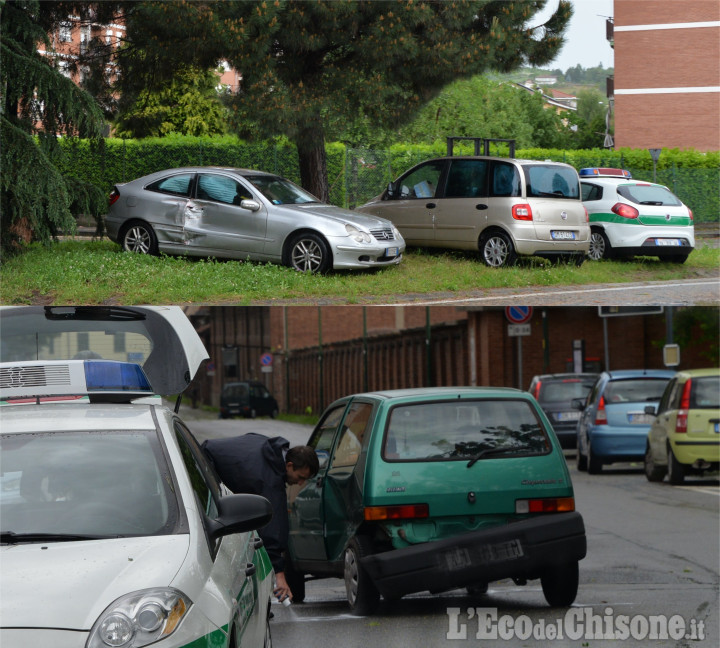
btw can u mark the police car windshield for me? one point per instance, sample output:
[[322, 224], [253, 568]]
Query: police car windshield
[[71, 485]]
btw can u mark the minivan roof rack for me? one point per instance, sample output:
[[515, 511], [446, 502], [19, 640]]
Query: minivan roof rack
[[486, 144]]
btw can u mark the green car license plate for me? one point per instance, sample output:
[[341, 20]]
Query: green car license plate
[[392, 252], [461, 558], [562, 235], [670, 242]]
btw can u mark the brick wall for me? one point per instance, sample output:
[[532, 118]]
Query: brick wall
[[667, 60]]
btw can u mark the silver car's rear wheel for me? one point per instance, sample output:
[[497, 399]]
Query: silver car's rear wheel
[[497, 250], [139, 237], [600, 247], [309, 253]]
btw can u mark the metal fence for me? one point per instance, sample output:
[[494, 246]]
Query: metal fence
[[417, 358], [354, 175]]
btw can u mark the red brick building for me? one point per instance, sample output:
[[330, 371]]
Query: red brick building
[[310, 355], [73, 38], [667, 74]]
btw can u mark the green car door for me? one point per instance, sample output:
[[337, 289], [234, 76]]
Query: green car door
[[326, 511]]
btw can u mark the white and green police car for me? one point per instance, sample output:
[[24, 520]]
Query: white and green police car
[[115, 530], [633, 217]]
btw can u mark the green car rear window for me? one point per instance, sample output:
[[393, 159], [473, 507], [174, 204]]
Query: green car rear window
[[459, 430]]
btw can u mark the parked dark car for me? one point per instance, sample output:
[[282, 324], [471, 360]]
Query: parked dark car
[[434, 489], [248, 398], [555, 393]]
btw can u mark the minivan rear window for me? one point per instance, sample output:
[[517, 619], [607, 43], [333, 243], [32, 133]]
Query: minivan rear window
[[459, 430], [551, 181]]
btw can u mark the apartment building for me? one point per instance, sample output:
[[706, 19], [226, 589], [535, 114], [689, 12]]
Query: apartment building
[[667, 74]]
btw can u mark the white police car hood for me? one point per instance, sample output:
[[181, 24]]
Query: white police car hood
[[160, 339], [69, 584]]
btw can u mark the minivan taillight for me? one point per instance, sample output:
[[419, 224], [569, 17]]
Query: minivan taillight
[[522, 212], [114, 195], [683, 410], [626, 211], [601, 415]]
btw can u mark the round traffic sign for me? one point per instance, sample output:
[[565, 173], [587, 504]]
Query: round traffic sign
[[266, 359], [518, 314]]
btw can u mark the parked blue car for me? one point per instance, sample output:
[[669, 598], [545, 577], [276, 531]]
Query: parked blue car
[[613, 424]]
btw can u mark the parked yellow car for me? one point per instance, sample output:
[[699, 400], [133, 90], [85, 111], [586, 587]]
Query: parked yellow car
[[685, 435]]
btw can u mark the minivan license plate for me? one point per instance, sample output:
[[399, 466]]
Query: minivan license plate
[[560, 235]]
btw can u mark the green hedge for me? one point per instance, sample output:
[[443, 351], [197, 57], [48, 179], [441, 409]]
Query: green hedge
[[357, 175]]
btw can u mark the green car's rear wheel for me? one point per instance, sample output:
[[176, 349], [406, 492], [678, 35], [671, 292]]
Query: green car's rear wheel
[[560, 584], [362, 595]]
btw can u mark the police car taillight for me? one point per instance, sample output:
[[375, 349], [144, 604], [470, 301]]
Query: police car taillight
[[606, 172], [100, 380], [626, 211]]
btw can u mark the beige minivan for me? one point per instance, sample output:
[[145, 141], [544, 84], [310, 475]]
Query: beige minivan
[[503, 207]]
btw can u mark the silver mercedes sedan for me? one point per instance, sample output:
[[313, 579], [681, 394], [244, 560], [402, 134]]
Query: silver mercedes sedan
[[246, 214]]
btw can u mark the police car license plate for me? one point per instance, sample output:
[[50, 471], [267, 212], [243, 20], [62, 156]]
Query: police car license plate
[[392, 252], [671, 242], [560, 235]]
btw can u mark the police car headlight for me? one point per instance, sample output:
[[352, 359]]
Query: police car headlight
[[139, 619], [357, 235]]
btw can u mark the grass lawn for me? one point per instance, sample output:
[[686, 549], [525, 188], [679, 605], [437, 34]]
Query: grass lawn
[[98, 272]]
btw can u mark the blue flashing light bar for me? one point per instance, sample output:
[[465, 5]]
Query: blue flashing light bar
[[111, 376], [604, 172]]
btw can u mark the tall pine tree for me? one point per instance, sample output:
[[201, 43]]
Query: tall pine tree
[[38, 104]]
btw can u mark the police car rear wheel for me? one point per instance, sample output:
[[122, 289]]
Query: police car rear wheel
[[600, 247]]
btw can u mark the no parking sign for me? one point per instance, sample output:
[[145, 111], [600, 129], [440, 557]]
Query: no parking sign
[[518, 314], [266, 360]]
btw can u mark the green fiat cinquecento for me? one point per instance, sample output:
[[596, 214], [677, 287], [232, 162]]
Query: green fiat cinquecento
[[435, 489]]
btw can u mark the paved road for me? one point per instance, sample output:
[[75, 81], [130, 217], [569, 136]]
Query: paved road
[[652, 551], [688, 292]]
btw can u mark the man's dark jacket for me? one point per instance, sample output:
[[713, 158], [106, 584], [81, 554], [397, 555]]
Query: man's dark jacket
[[254, 463]]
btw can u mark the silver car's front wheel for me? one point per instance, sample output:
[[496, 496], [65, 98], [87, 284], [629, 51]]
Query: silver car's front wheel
[[599, 246], [309, 253], [139, 237], [498, 250]]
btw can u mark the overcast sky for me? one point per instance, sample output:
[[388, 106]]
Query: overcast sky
[[585, 37]]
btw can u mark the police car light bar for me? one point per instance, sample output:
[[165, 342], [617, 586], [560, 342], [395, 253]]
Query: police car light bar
[[605, 172], [100, 380]]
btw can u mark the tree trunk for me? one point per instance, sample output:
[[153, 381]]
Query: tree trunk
[[313, 161]]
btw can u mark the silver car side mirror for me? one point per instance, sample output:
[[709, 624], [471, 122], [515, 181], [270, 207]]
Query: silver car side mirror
[[252, 205]]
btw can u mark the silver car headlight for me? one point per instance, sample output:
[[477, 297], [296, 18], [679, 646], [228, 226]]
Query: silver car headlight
[[396, 233], [139, 619], [357, 235]]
